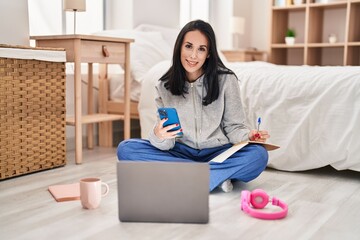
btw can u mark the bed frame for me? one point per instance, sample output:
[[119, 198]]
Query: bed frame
[[106, 105]]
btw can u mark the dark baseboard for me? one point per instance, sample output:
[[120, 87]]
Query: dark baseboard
[[118, 131]]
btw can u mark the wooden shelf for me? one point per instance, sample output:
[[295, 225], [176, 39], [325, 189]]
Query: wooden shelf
[[324, 45], [313, 23], [354, 44], [290, 8], [328, 5], [95, 118], [283, 45]]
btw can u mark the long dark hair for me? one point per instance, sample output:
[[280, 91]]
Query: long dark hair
[[175, 77]]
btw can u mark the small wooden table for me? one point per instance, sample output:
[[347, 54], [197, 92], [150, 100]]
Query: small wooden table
[[93, 49], [244, 55]]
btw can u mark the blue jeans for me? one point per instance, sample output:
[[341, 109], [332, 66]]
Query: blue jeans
[[244, 165]]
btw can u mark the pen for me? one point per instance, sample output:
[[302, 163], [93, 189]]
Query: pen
[[259, 122], [257, 135]]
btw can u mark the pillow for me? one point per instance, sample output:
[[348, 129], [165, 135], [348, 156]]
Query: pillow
[[169, 34], [148, 49]]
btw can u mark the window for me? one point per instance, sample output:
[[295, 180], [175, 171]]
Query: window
[[193, 9]]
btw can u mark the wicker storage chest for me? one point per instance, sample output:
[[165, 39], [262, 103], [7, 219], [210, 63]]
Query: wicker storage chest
[[32, 111]]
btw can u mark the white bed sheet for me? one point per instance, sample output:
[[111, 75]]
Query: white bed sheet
[[115, 77], [311, 112]]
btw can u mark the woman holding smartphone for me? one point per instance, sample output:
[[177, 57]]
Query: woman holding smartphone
[[206, 95]]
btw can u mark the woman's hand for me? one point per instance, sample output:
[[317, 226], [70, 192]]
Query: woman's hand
[[258, 136], [163, 132]]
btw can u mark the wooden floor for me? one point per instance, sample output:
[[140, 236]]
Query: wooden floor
[[323, 204]]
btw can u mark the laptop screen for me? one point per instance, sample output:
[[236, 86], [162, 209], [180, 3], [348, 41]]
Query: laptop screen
[[163, 191]]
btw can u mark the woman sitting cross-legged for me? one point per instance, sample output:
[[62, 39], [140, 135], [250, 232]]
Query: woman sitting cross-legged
[[206, 95]]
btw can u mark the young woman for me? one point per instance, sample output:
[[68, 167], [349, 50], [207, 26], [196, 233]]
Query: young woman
[[206, 96]]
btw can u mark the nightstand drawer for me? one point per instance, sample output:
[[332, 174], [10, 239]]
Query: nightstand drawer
[[102, 52]]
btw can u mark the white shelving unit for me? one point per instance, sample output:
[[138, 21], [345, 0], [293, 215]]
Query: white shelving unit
[[314, 22]]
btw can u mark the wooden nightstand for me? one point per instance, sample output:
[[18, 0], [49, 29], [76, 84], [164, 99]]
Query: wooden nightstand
[[93, 49], [244, 55]]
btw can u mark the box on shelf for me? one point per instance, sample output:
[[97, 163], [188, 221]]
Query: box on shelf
[[32, 109]]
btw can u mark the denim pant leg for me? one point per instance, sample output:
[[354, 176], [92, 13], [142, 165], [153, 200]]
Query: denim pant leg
[[142, 150], [244, 165]]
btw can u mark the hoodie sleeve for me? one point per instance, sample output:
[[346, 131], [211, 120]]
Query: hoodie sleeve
[[234, 118], [162, 144]]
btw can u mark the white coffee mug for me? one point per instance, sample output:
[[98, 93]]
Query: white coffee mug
[[91, 192]]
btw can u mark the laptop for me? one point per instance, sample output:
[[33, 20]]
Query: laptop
[[168, 192]]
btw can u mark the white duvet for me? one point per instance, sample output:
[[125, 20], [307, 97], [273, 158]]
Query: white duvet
[[312, 112]]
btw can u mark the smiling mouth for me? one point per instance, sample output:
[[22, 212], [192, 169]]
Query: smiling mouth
[[191, 63]]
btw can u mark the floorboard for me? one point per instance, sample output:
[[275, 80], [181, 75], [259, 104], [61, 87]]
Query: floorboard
[[323, 204]]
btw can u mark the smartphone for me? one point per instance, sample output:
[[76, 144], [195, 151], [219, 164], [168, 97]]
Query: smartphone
[[173, 118]]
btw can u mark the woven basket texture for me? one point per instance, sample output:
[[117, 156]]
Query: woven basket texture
[[32, 116]]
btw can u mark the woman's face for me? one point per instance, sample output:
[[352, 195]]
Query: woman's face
[[194, 52]]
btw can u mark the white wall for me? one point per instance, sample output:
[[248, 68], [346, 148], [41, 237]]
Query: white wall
[[158, 12], [87, 22], [14, 24], [260, 23], [127, 14], [48, 18], [243, 8], [256, 15], [220, 15], [118, 14], [257, 23], [45, 17]]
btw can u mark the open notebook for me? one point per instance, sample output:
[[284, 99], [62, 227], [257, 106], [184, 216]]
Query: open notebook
[[236, 147]]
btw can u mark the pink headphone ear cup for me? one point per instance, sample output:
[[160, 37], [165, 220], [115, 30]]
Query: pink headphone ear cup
[[259, 198]]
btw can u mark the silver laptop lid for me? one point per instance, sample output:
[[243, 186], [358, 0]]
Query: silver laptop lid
[[172, 192]]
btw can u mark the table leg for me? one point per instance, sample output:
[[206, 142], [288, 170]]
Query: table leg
[[77, 100], [90, 107]]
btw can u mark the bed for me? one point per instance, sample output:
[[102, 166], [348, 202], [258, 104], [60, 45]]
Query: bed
[[312, 112]]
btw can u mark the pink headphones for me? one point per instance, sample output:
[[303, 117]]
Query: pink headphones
[[259, 199]]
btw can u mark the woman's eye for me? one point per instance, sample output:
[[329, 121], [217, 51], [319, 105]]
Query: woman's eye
[[202, 49], [187, 46]]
